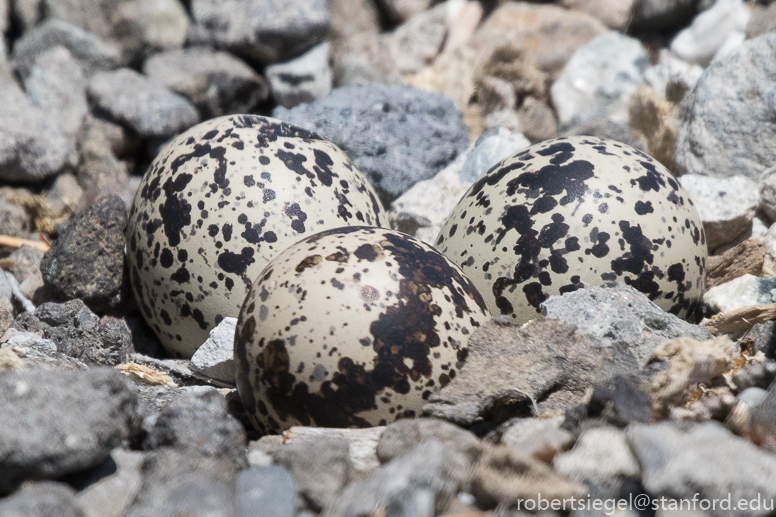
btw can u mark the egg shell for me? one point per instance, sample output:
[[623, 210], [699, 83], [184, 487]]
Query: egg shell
[[352, 327], [575, 212], [218, 203]]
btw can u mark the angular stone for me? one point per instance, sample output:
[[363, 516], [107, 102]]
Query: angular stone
[[396, 136], [261, 31], [143, 105], [726, 205], [217, 83], [705, 459], [57, 423], [601, 76], [215, 358], [87, 260], [304, 79], [32, 146], [726, 131], [91, 52]]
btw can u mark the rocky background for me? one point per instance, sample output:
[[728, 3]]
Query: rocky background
[[606, 397]]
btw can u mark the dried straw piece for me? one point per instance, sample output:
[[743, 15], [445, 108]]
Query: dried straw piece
[[740, 319]]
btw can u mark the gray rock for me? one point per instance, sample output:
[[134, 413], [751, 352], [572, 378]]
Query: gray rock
[[544, 367], [755, 375], [261, 31], [16, 339], [726, 131], [177, 484], [763, 420], [14, 220], [301, 80], [396, 136], [266, 492], [713, 33], [57, 86], [79, 333], [705, 459], [422, 210], [537, 120], [146, 107], [619, 401], [740, 292], [137, 27], [215, 358], [602, 460], [320, 468], [416, 43], [418, 483], [99, 171], [663, 15], [198, 425], [621, 319], [601, 76], [111, 495], [87, 260], [57, 423], [726, 205], [32, 147], [91, 52], [217, 83], [403, 435], [540, 438], [42, 499], [764, 335], [767, 188]]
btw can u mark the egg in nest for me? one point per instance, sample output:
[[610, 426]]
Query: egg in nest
[[575, 212], [218, 203], [352, 327]]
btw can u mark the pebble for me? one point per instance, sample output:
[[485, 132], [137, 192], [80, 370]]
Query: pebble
[[713, 33], [726, 205], [215, 358], [740, 292], [541, 438], [266, 492], [112, 494], [302, 80], [42, 499]]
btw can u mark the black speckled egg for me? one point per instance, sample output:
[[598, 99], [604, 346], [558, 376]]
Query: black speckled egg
[[218, 203], [355, 326], [575, 212]]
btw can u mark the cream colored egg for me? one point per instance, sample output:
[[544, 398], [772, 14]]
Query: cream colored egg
[[575, 212], [218, 203], [352, 327]]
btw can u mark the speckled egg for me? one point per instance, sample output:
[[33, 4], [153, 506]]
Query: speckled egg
[[352, 327], [575, 212], [218, 203]]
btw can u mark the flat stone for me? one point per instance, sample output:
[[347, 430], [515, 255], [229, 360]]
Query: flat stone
[[91, 52], [726, 205], [262, 32], [216, 82], [266, 492], [145, 106], [726, 132], [705, 459], [215, 358], [304, 79], [713, 33], [395, 136], [57, 423], [740, 292], [601, 76]]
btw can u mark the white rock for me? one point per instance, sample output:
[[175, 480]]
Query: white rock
[[713, 33], [768, 192], [215, 358], [741, 292], [601, 76], [726, 205], [304, 79]]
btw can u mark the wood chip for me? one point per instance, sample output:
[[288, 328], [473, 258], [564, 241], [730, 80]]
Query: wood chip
[[745, 258], [740, 319], [145, 375], [16, 242]]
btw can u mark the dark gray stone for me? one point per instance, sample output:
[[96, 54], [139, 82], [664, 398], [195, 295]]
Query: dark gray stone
[[764, 335], [79, 333], [727, 129], [199, 424], [703, 459], [663, 15], [42, 499], [217, 83], [755, 374], [87, 260], [177, 484], [266, 492], [619, 401], [91, 52], [396, 136], [621, 319], [58, 423], [143, 105], [32, 146], [259, 30]]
